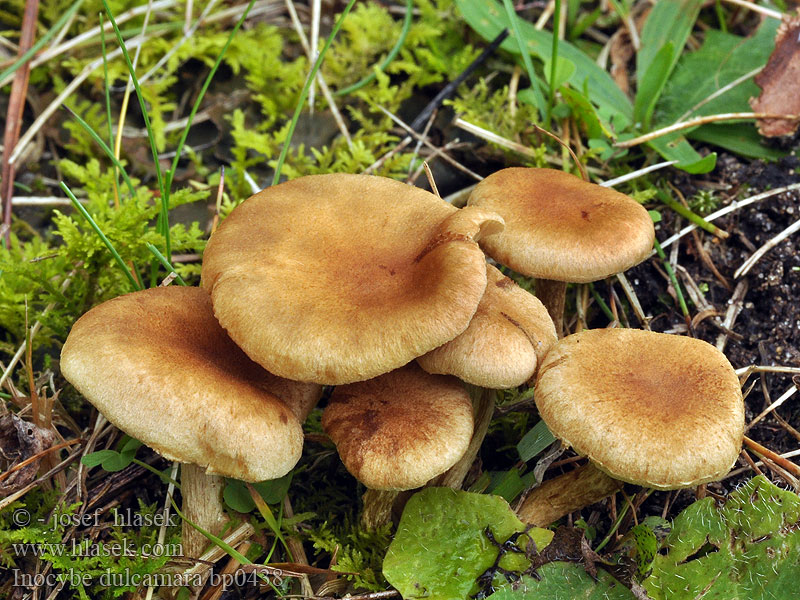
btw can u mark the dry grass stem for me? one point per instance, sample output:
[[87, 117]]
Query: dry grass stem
[[758, 254], [701, 121]]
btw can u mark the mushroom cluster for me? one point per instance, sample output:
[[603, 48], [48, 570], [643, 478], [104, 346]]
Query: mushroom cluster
[[330, 279], [345, 280]]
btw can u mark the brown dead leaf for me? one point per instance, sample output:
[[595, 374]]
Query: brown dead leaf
[[20, 440], [779, 81]]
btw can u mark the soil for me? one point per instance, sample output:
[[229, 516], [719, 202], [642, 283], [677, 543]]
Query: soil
[[767, 331]]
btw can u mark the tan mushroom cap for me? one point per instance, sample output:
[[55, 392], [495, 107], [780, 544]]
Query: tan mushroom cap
[[339, 278], [400, 430], [658, 410], [158, 366], [562, 228], [509, 334]]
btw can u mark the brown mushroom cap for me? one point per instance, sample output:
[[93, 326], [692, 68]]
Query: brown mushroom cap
[[339, 278], [509, 334], [158, 365], [399, 430], [659, 410], [562, 228]]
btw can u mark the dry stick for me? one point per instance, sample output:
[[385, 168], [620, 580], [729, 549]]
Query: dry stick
[[733, 206], [165, 512], [766, 453], [84, 74], [56, 50], [636, 174], [701, 121], [484, 410], [65, 93], [296, 548], [750, 462], [448, 90], [20, 493], [630, 293], [492, 137], [719, 92], [217, 589], [431, 180], [420, 141], [756, 8], [565, 144], [451, 87], [187, 34], [39, 455], [758, 254], [783, 398], [746, 371], [735, 305], [414, 135], [16, 105], [781, 472], [326, 91]]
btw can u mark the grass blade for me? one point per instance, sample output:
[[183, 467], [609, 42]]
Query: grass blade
[[162, 259], [163, 217], [533, 442], [389, 57], [526, 59], [104, 147], [304, 92], [672, 278], [201, 95], [79, 207]]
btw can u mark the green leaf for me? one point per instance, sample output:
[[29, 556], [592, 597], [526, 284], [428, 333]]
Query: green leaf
[[669, 22], [274, 490], [675, 147], [721, 60], [509, 484], [95, 459], [741, 138], [111, 460], [565, 581], [651, 84], [441, 546], [748, 548], [488, 19], [237, 496], [565, 69], [533, 442]]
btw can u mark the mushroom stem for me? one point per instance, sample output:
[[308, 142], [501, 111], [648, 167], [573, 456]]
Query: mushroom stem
[[377, 508], [552, 294], [202, 505], [483, 402], [565, 494]]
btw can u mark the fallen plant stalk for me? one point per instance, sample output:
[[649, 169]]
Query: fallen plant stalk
[[701, 121]]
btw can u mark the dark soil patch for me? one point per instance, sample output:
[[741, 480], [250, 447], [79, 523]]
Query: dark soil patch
[[767, 330]]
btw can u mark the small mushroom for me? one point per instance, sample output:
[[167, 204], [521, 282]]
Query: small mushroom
[[158, 366], [340, 278], [657, 410], [562, 229], [400, 430], [508, 336]]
